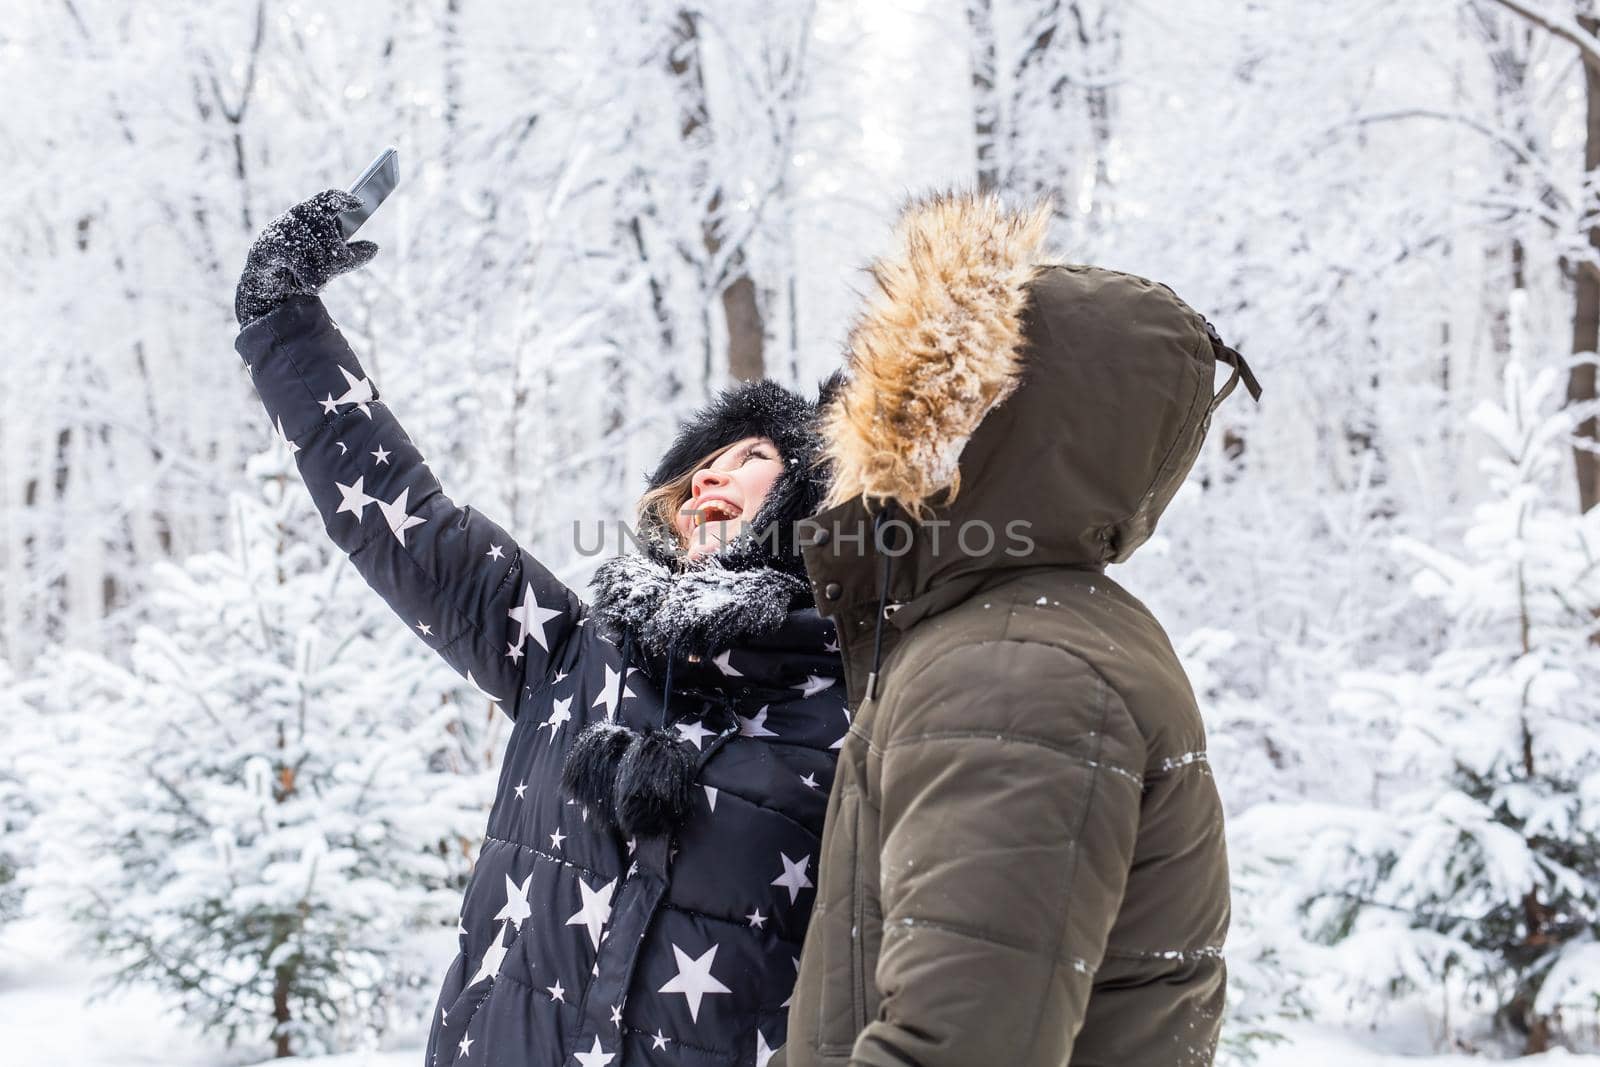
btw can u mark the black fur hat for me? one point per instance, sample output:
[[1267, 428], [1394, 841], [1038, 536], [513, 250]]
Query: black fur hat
[[754, 409]]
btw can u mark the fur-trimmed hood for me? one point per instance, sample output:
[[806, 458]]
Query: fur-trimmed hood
[[1061, 405], [938, 347]]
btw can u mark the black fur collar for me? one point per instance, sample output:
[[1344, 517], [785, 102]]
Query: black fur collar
[[700, 610]]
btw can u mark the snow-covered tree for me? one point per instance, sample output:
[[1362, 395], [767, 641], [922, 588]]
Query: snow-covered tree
[[1267, 972], [16, 806], [1480, 881], [270, 801]]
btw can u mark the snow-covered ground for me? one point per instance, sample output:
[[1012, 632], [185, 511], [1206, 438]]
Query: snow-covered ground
[[43, 1009], [1312, 1045]]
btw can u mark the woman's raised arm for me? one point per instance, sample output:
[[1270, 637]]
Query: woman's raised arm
[[458, 580]]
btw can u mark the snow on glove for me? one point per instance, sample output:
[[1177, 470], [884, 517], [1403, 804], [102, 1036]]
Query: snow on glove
[[297, 253]]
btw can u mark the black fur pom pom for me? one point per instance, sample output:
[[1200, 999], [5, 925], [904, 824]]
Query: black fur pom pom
[[655, 784], [591, 768]]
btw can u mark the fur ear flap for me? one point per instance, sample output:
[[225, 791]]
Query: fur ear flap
[[655, 784], [591, 768]]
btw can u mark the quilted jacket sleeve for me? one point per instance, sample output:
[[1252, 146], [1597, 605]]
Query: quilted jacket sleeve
[[460, 582], [1010, 792]]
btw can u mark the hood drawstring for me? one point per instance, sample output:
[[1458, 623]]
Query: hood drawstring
[[886, 566]]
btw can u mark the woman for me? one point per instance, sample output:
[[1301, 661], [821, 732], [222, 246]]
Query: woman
[[647, 873]]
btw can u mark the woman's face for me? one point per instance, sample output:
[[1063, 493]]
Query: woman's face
[[726, 493]]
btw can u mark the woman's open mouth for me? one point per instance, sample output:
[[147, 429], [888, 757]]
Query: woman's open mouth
[[715, 511]]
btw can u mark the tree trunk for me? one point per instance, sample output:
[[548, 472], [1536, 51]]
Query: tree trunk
[[1100, 39], [282, 976], [985, 96], [740, 307], [1060, 115], [746, 338], [1036, 87], [1586, 314]]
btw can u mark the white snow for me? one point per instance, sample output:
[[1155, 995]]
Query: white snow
[[43, 1008], [49, 1008], [1323, 1045]]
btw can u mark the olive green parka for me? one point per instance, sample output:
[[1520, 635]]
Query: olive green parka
[[1024, 861]]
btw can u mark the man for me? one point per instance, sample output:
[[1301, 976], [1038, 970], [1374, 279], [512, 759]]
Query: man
[[1023, 861]]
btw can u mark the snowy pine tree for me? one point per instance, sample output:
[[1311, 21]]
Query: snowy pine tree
[[16, 806], [1265, 974], [1481, 882], [272, 804]]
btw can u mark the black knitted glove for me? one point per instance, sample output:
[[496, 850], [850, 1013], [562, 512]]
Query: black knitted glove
[[297, 253]]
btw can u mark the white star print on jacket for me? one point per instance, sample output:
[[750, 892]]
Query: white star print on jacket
[[694, 979]]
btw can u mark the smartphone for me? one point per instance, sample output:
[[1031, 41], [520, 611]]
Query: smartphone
[[373, 187]]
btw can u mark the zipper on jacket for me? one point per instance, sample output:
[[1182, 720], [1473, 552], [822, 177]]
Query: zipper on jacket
[[858, 966]]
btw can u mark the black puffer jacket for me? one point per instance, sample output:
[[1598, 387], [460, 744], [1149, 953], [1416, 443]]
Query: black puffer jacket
[[576, 945]]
